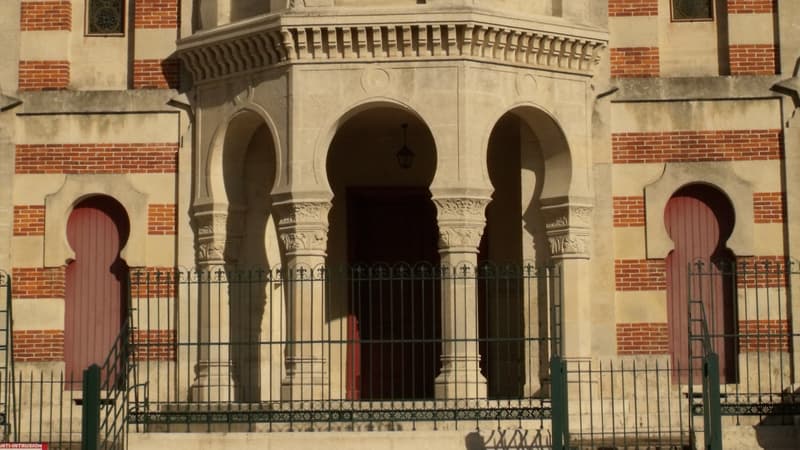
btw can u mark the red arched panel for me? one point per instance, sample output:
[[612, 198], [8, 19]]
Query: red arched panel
[[96, 230]]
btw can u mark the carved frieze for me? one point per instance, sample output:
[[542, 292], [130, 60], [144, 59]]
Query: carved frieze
[[302, 212], [450, 237], [271, 44], [294, 241], [461, 208], [569, 245]]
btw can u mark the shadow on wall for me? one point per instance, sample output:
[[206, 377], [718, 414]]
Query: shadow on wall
[[516, 439]]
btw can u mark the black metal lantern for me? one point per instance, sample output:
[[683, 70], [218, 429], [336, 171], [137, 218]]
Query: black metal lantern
[[405, 157]]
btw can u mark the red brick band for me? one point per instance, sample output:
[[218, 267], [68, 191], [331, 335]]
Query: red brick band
[[154, 345], [693, 146], [156, 74], [28, 220], [38, 282], [640, 274], [750, 6], [768, 207], [763, 336], [757, 272], [38, 345], [642, 338], [46, 16], [154, 282], [752, 59], [629, 211], [156, 14], [623, 8], [161, 219], [635, 62], [96, 158], [43, 75]]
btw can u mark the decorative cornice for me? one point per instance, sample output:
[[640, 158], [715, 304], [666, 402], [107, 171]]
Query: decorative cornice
[[241, 51]]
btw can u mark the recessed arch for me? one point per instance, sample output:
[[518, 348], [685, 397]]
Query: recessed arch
[[326, 137], [233, 133], [554, 146]]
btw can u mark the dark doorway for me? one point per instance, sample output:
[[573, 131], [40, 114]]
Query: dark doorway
[[699, 219], [394, 312], [95, 283]]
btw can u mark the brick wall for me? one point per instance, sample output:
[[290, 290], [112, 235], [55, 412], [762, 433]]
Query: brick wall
[[763, 336], [96, 158], [45, 16], [43, 75], [629, 211], [161, 219], [642, 338], [38, 345], [761, 272], [692, 146], [38, 282], [154, 345], [28, 220], [768, 207], [640, 274], [156, 74], [750, 6], [153, 282], [623, 8], [752, 59], [636, 62], [156, 14]]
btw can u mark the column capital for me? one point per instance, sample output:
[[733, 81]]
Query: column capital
[[219, 234], [568, 228], [461, 222], [303, 226]]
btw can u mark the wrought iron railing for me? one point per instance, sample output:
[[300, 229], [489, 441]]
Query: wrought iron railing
[[753, 335], [378, 347]]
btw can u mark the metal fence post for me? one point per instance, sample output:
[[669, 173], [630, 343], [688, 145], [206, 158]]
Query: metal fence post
[[90, 428], [560, 428], [712, 414]]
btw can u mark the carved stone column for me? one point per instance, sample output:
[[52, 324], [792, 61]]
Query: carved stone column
[[213, 381], [461, 223], [568, 228], [303, 231]]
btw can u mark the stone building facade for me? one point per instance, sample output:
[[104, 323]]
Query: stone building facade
[[249, 133]]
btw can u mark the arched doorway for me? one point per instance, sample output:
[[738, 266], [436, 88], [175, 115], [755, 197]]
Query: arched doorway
[[95, 295], [699, 219], [383, 231], [513, 303], [249, 168]]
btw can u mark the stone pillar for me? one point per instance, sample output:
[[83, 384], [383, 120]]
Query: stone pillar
[[303, 231], [461, 222], [213, 381], [568, 229]]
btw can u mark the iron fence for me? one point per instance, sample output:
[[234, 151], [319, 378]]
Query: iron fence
[[378, 347], [742, 312]]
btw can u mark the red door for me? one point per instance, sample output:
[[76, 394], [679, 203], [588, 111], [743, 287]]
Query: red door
[[96, 230], [699, 221]]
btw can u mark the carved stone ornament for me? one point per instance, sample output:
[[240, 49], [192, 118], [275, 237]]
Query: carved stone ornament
[[452, 237], [211, 223], [569, 245], [210, 251], [568, 216], [294, 241], [303, 212], [461, 208]]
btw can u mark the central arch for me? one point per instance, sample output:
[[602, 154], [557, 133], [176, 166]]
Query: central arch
[[383, 232]]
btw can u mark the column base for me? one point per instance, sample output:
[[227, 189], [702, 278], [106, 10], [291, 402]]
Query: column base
[[461, 382], [213, 383], [306, 380]]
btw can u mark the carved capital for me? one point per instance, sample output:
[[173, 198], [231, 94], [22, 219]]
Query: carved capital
[[567, 216], [315, 241], [569, 245], [295, 213], [460, 237], [461, 209]]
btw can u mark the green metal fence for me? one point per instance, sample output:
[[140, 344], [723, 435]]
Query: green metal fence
[[378, 347]]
